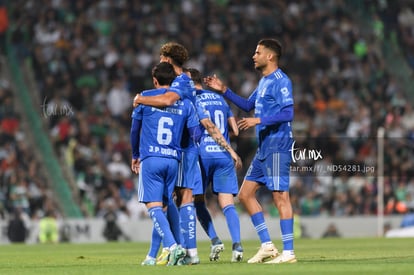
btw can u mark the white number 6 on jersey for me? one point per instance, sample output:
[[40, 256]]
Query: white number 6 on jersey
[[164, 134]]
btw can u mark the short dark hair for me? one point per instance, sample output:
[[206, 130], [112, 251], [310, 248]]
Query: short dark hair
[[272, 44], [164, 73], [195, 75], [177, 52]]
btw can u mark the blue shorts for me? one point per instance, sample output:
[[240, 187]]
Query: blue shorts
[[157, 178], [273, 171], [189, 175], [222, 175]]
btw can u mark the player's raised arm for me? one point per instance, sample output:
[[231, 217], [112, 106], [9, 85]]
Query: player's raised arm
[[158, 101], [245, 104]]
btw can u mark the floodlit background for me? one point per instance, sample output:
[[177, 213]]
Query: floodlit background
[[69, 71]]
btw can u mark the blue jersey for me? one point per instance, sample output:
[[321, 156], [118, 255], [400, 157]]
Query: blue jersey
[[162, 128], [184, 87], [215, 107], [273, 93]]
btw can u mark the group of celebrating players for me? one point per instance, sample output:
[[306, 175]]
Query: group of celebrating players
[[180, 144]]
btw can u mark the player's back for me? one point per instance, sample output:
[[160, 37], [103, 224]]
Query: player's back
[[184, 87], [216, 108], [162, 128]]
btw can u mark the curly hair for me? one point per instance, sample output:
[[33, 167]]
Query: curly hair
[[177, 52]]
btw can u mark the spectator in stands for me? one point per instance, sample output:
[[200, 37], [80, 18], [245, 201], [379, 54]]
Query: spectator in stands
[[118, 99], [331, 232], [112, 231], [4, 24], [78, 57]]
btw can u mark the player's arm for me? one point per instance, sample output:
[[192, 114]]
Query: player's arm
[[134, 139], [285, 115], [193, 123], [159, 101], [218, 137], [233, 125], [245, 104], [231, 121]]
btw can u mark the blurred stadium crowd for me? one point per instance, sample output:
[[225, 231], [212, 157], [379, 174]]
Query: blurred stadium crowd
[[92, 56]]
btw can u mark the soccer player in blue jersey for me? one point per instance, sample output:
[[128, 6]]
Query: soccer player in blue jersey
[[156, 135], [190, 179], [272, 101], [217, 167]]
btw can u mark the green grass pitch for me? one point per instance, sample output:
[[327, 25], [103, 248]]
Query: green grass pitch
[[325, 256]]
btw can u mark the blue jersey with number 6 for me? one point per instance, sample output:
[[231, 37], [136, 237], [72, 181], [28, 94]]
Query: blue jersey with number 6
[[162, 128]]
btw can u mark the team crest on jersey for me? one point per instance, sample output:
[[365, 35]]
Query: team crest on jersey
[[284, 91], [174, 84], [192, 84]]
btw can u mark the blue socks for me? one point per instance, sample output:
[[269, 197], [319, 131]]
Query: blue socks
[[260, 226], [161, 225], [174, 218], [155, 243], [188, 225], [205, 220], [286, 228], [233, 222]]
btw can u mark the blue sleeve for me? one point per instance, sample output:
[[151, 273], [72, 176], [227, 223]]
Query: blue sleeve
[[195, 133], [200, 109], [245, 104], [180, 86], [134, 137], [285, 115], [193, 117], [137, 113]]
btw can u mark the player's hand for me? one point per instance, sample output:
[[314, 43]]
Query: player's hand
[[215, 83], [136, 103], [248, 122], [237, 160], [135, 166]]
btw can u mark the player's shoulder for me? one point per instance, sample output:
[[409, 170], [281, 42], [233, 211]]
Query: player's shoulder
[[187, 105], [208, 95], [152, 92], [186, 101], [280, 75], [280, 78], [181, 82], [181, 78]]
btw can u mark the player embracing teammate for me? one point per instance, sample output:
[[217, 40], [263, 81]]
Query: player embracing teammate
[[272, 102]]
